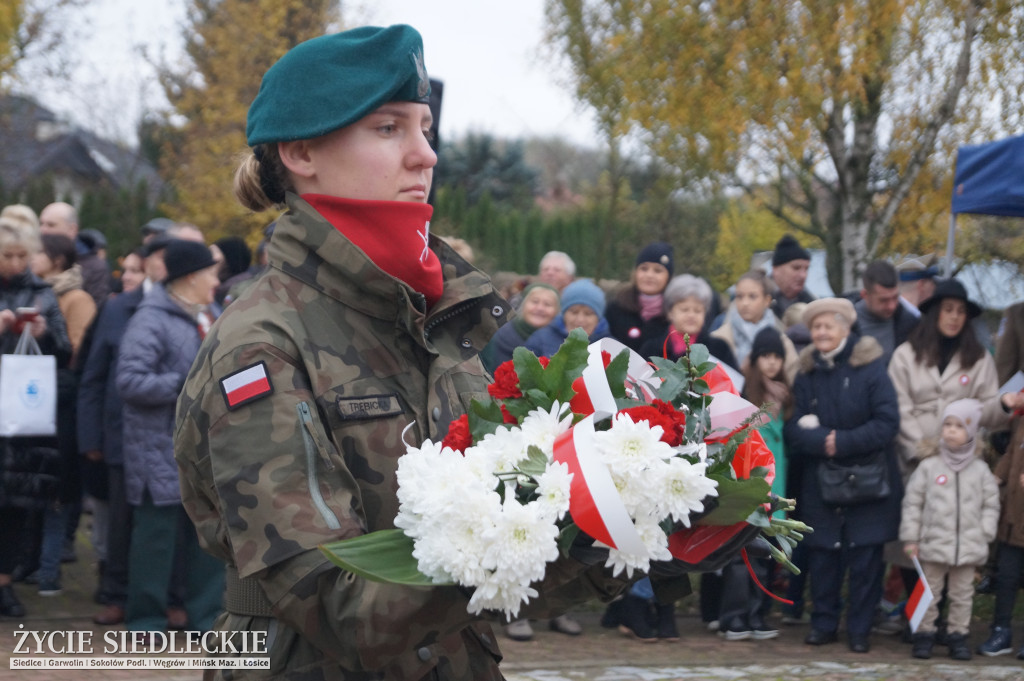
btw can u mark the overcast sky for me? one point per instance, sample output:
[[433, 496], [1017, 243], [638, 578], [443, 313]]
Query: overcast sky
[[488, 54]]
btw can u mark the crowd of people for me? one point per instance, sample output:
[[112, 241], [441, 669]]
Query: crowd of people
[[876, 378], [213, 413], [123, 342]]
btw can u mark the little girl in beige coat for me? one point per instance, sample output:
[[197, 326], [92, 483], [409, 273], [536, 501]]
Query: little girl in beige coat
[[950, 511]]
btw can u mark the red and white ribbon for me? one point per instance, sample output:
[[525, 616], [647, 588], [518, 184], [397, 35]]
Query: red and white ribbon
[[728, 412], [595, 380], [594, 502]]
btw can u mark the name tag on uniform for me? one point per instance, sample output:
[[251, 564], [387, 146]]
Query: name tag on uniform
[[368, 406]]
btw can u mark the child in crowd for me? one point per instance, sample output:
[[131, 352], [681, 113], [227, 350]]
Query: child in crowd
[[950, 511], [749, 313], [744, 604]]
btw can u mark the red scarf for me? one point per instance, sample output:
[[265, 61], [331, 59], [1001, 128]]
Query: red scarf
[[393, 234], [678, 342]]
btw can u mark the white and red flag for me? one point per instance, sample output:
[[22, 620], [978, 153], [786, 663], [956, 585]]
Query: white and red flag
[[919, 600]]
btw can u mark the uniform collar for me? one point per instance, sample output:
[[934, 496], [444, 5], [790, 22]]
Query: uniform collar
[[306, 246]]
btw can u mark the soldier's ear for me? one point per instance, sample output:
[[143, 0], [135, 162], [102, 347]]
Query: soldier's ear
[[296, 158]]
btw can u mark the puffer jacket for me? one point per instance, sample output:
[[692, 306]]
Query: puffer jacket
[[951, 515], [356, 367], [855, 398], [158, 348]]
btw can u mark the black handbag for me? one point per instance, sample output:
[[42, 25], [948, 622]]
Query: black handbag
[[854, 484]]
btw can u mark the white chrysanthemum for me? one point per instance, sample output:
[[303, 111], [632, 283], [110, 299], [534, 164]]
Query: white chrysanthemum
[[553, 490], [629, 448], [541, 427], [522, 541], [682, 488], [507, 446], [496, 594], [454, 544], [655, 547], [700, 449]]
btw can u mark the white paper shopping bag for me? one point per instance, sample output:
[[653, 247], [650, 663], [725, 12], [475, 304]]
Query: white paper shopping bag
[[28, 391]]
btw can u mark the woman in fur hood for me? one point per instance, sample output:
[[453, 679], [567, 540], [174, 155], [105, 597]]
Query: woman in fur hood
[[845, 411]]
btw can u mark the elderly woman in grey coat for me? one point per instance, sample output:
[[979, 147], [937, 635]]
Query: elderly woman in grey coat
[[159, 346]]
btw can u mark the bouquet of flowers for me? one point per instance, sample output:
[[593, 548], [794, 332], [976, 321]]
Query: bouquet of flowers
[[653, 463]]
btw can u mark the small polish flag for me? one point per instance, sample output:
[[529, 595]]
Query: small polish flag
[[919, 600], [245, 385]]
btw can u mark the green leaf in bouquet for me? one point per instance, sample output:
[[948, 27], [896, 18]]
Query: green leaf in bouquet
[[484, 418], [758, 517], [675, 379], [536, 462], [565, 366], [382, 556], [759, 472], [566, 536], [700, 356], [737, 499]]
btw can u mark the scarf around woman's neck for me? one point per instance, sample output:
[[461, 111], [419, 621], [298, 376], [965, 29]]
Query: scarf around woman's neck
[[957, 458], [743, 332], [393, 234], [775, 395], [651, 306], [830, 357], [68, 280]]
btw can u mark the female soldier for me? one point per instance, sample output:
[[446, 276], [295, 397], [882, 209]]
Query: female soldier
[[362, 335]]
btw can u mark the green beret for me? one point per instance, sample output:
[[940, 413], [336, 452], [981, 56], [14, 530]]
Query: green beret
[[329, 82]]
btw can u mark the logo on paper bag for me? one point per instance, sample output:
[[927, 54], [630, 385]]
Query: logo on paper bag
[[32, 395]]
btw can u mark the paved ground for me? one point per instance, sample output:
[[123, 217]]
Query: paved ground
[[599, 654]]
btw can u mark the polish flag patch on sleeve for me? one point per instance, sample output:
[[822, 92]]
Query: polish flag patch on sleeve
[[246, 385]]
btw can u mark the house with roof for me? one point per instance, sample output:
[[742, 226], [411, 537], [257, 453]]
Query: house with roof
[[36, 145]]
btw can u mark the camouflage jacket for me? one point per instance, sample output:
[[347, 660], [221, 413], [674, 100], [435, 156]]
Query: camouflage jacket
[[353, 359]]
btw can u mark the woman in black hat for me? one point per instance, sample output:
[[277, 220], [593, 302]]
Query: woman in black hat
[[636, 312], [942, 361], [159, 345]]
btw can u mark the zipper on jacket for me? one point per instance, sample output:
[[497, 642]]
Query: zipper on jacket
[[313, 448], [456, 310], [956, 552]]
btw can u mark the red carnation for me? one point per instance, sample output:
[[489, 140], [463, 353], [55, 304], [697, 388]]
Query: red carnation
[[507, 417], [506, 382], [655, 417], [458, 437]]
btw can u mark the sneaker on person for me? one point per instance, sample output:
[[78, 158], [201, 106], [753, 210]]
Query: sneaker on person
[[998, 643], [520, 630], [736, 631], [762, 632], [564, 624], [48, 588], [889, 623]]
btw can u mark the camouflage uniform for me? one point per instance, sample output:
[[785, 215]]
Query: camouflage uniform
[[354, 360]]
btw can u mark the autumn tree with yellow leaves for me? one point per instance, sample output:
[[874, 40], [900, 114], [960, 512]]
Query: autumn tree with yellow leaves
[[841, 118], [229, 45]]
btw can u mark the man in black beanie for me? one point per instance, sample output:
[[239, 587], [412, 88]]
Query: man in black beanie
[[790, 263]]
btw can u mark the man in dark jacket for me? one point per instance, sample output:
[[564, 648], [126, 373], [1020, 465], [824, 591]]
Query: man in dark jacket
[[879, 312]]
